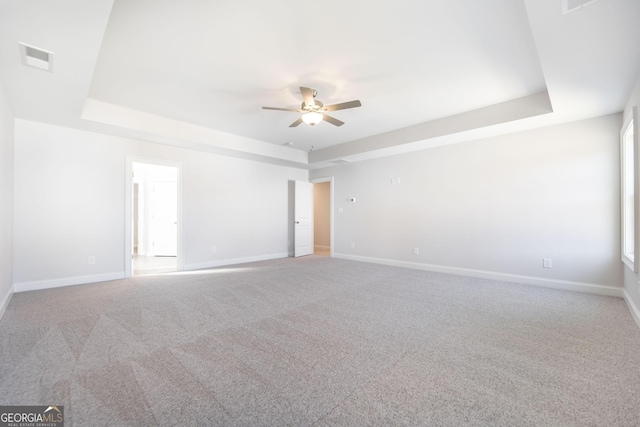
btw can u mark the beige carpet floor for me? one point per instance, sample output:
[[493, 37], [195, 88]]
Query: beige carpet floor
[[321, 342]]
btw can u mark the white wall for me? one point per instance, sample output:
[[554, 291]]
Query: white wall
[[70, 204], [6, 200], [496, 205], [631, 279], [321, 214]]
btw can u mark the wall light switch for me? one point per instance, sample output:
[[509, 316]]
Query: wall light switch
[[353, 245], [92, 260], [416, 251], [546, 263]]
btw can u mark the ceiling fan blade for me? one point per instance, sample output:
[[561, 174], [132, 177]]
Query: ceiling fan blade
[[280, 109], [342, 106], [296, 123], [307, 95], [332, 120]]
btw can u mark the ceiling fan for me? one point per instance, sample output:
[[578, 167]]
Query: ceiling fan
[[313, 111]]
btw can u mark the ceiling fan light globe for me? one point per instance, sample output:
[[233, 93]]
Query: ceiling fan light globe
[[312, 118]]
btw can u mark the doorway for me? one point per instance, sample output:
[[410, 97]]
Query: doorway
[[323, 221], [322, 218], [305, 209], [154, 218]]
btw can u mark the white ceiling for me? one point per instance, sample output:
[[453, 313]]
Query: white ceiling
[[196, 73]]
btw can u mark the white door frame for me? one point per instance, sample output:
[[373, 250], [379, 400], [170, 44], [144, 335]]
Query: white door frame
[[330, 180], [303, 234], [128, 210]]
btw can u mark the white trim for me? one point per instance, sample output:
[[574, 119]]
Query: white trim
[[5, 301], [128, 217], [66, 281], [630, 124], [628, 262], [527, 280], [633, 308], [231, 261], [566, 9]]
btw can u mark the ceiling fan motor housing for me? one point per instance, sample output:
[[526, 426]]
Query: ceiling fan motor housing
[[317, 105]]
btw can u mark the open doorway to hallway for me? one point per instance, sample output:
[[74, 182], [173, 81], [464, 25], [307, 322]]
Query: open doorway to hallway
[[322, 218], [154, 218]]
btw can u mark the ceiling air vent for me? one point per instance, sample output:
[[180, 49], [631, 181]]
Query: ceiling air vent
[[36, 57], [573, 5], [340, 161]]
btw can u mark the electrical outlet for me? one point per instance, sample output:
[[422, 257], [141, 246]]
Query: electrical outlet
[[416, 251], [92, 260], [546, 263], [353, 245]]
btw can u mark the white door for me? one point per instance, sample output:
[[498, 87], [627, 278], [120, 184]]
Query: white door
[[303, 217], [164, 218]]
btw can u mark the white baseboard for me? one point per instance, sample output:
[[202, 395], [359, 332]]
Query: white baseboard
[[66, 281], [633, 308], [5, 301], [223, 262], [528, 280], [80, 280]]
